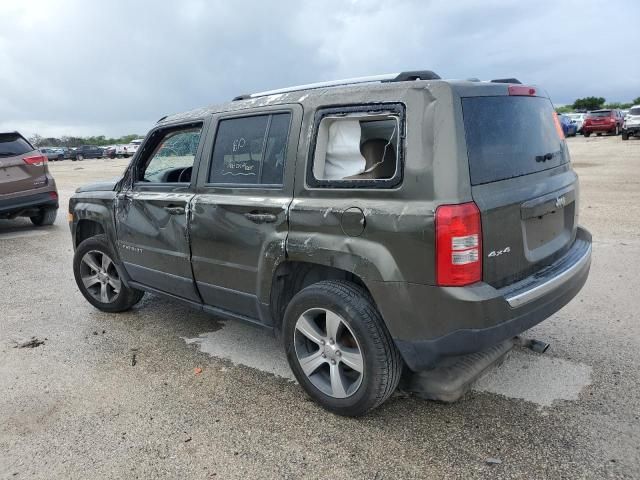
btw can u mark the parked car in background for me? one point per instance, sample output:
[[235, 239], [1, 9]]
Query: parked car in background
[[131, 148], [578, 118], [86, 151], [631, 125], [27, 189], [569, 127], [53, 153], [109, 152], [603, 121]]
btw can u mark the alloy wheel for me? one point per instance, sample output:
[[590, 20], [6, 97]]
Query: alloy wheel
[[328, 352], [100, 277]]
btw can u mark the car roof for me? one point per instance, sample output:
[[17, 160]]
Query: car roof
[[315, 94]]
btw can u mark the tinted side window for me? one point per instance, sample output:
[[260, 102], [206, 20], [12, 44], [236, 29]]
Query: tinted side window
[[250, 150], [13, 144]]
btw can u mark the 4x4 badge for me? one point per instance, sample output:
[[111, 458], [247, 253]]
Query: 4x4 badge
[[497, 253]]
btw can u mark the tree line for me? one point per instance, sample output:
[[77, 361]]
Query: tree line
[[70, 142], [595, 103]]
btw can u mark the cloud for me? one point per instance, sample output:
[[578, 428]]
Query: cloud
[[73, 67]]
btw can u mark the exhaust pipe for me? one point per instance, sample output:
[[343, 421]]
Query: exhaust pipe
[[537, 346]]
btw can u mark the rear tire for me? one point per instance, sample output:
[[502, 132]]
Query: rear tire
[[343, 316], [587, 134], [100, 279], [47, 216]]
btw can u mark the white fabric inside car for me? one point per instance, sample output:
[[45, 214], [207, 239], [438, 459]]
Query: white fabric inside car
[[343, 157]]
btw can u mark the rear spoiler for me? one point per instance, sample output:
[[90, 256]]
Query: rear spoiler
[[506, 80]]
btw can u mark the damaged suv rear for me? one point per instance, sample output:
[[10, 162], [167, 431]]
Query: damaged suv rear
[[372, 223]]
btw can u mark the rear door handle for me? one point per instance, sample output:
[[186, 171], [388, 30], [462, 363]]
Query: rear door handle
[[175, 210], [261, 217]]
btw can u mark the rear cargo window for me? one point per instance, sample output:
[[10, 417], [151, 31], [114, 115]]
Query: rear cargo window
[[13, 144], [634, 111], [603, 113], [510, 136]]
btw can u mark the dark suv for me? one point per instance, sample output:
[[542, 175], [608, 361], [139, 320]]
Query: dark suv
[[27, 189], [372, 223], [86, 151]]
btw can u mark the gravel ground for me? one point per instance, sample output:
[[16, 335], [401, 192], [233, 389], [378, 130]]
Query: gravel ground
[[79, 406]]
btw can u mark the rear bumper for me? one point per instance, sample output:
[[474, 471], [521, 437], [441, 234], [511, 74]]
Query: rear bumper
[[428, 323], [598, 128], [16, 205]]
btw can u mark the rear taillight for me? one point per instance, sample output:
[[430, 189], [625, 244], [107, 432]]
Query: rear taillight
[[53, 195], [35, 160], [556, 122], [458, 245]]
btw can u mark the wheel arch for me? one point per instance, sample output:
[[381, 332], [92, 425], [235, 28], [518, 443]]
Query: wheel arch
[[87, 228], [290, 277]]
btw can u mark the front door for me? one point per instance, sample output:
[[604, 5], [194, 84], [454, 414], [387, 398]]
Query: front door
[[152, 213], [239, 217]]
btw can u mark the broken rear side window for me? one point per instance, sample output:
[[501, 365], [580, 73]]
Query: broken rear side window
[[357, 147]]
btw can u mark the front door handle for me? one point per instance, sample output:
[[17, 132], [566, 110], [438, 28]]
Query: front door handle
[[175, 210], [261, 217]]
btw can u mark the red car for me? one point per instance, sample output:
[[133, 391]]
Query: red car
[[603, 121]]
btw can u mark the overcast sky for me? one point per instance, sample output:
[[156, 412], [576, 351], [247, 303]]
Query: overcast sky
[[71, 67]]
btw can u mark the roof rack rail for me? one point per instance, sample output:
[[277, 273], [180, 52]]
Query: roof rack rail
[[390, 77], [162, 118], [506, 80], [244, 96]]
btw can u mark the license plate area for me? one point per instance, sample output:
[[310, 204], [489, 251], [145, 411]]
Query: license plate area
[[544, 235]]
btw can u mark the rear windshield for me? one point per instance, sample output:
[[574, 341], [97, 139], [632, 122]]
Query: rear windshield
[[604, 113], [510, 136], [634, 111], [13, 144]]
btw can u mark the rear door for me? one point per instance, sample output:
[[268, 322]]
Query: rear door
[[522, 182], [239, 220], [22, 168]]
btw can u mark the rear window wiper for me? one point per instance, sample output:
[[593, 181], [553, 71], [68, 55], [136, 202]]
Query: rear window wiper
[[547, 156]]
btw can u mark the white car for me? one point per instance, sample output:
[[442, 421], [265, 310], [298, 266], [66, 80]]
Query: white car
[[631, 125], [131, 148], [578, 119]]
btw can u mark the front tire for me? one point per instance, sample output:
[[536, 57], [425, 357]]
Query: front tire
[[625, 135], [99, 279], [587, 134], [79, 157], [339, 348]]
